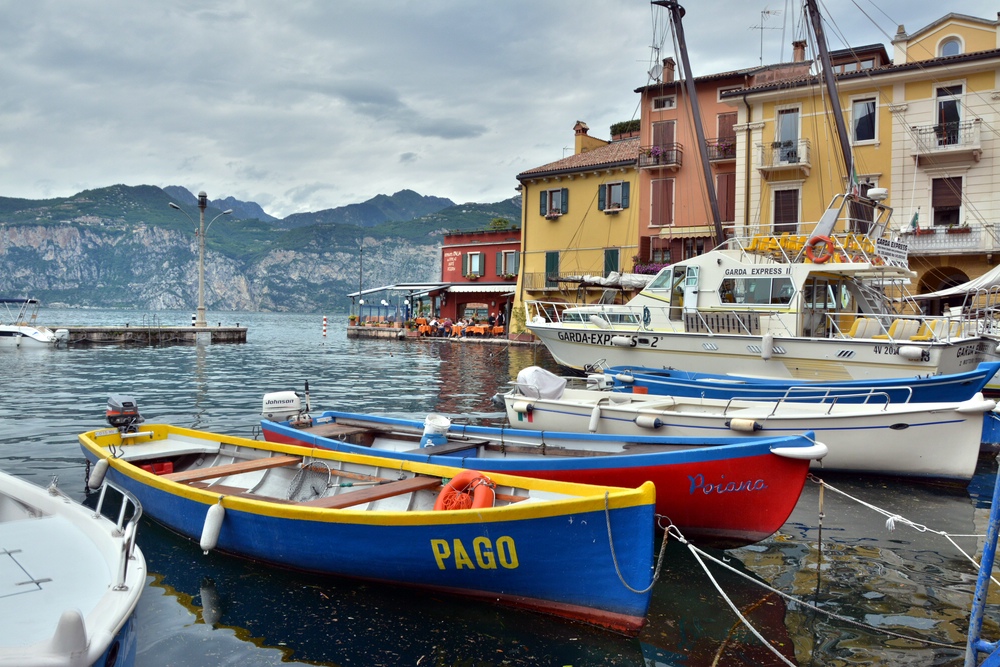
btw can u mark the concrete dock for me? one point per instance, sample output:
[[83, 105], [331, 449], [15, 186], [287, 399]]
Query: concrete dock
[[152, 335]]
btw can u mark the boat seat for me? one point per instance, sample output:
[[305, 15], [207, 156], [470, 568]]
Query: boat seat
[[899, 329], [931, 330], [863, 327], [213, 472], [373, 493]]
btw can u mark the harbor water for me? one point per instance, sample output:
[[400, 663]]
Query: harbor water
[[867, 571]]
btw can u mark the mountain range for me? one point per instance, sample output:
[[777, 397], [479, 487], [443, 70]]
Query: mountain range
[[125, 247]]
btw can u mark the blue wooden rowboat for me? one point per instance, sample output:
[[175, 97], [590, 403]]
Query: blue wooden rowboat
[[577, 551], [917, 389]]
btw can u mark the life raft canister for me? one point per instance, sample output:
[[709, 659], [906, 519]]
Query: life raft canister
[[467, 490]]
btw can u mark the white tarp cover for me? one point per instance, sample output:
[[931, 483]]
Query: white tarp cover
[[987, 280], [615, 279], [536, 382]]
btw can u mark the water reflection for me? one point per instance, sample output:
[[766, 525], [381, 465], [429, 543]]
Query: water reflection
[[217, 610]]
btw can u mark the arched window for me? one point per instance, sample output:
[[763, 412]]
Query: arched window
[[950, 47]]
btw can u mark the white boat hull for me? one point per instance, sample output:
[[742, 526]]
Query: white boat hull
[[830, 359], [939, 440], [16, 336], [72, 579]]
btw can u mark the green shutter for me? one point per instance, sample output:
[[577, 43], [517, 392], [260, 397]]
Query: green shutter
[[543, 203], [517, 262], [600, 197], [499, 264], [565, 200], [465, 263], [625, 194]]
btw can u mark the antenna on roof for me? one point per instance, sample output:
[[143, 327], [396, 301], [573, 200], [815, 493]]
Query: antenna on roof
[[655, 72], [763, 17]]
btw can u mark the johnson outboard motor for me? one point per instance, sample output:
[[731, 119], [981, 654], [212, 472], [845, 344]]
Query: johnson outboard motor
[[123, 412]]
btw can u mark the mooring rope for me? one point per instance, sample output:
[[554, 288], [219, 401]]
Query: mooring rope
[[697, 553], [614, 556], [892, 519]]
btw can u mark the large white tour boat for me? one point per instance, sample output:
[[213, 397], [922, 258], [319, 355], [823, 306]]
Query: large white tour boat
[[827, 306]]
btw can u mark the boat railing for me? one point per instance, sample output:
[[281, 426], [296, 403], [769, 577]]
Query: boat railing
[[126, 525], [898, 329], [831, 403], [791, 248]]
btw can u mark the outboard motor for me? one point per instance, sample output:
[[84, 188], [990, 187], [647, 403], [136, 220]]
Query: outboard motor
[[123, 412], [280, 406]]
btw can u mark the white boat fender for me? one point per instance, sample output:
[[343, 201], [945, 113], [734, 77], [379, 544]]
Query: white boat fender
[[599, 322], [213, 526], [744, 425], [595, 419], [523, 407], [625, 378], [97, 474], [911, 352], [766, 346], [623, 341], [648, 421], [814, 452]]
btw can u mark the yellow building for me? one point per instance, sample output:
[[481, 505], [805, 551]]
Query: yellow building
[[923, 126], [579, 221]]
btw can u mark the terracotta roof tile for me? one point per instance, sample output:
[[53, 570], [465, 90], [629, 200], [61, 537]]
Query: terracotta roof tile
[[619, 152]]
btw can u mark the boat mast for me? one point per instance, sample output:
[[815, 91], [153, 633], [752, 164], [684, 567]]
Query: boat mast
[[831, 84], [676, 13]]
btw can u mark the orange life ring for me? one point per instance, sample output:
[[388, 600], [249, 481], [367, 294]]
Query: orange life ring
[[827, 249], [467, 490]]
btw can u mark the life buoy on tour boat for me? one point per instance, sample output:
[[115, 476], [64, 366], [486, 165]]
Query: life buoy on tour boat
[[825, 255], [467, 490]]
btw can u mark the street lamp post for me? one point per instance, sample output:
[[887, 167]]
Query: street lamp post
[[202, 228]]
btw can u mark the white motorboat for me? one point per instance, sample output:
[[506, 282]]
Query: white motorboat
[[71, 578], [934, 440], [827, 306], [19, 328]]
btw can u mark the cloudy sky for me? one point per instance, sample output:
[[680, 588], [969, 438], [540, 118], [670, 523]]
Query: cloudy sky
[[306, 105]]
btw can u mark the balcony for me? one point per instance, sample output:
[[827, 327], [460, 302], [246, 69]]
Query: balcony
[[786, 159], [942, 240], [947, 142], [721, 150], [665, 156]]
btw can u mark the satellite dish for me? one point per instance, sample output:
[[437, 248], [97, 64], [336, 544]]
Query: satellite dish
[[655, 72]]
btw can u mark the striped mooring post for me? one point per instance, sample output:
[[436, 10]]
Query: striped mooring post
[[324, 326], [194, 319]]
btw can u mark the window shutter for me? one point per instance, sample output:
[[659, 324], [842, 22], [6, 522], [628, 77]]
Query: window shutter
[[499, 263], [565, 200], [625, 187], [517, 262], [543, 206], [465, 264], [600, 197], [644, 249], [946, 192]]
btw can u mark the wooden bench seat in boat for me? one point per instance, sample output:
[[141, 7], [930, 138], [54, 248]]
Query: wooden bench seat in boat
[[214, 472], [372, 493]]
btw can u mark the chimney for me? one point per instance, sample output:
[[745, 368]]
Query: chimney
[[799, 51], [668, 70], [580, 128]]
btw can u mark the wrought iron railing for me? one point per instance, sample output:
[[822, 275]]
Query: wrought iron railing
[[664, 155]]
